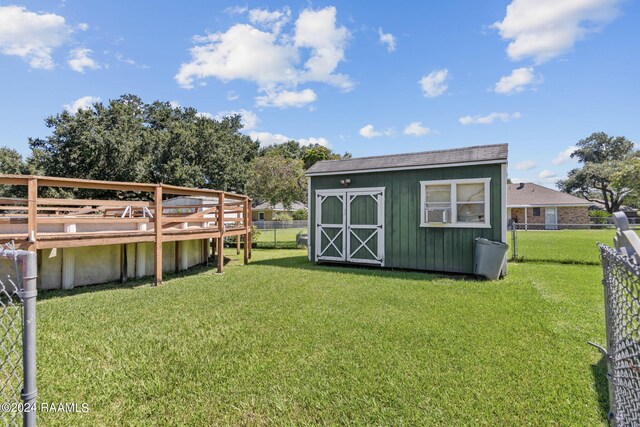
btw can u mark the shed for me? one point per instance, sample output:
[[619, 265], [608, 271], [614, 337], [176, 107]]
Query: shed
[[418, 211]]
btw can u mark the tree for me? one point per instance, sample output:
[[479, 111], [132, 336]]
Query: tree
[[601, 156], [628, 176], [314, 153], [11, 162], [276, 180], [310, 154], [128, 140]]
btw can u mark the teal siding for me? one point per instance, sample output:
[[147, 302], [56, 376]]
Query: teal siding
[[407, 245]]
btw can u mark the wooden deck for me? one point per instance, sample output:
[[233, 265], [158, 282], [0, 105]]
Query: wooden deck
[[45, 223]]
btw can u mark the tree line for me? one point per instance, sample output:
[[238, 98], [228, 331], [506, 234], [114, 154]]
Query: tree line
[[129, 140]]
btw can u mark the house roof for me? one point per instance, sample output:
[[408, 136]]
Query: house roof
[[496, 153], [279, 207], [528, 194]]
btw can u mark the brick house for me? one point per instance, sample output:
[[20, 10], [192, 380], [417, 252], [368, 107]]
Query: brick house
[[539, 207]]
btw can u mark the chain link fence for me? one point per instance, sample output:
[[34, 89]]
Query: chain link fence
[[621, 280], [281, 234], [18, 270], [564, 243]]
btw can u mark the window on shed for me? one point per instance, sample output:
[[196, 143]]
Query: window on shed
[[455, 203], [536, 211], [261, 216]]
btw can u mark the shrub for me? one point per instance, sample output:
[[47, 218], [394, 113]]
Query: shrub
[[282, 217], [599, 217], [301, 214]]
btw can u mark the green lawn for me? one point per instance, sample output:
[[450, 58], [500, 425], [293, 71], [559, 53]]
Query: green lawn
[[568, 246], [283, 341], [284, 238]]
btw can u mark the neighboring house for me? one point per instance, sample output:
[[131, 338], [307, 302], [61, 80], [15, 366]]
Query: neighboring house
[[535, 205], [420, 211], [269, 212]]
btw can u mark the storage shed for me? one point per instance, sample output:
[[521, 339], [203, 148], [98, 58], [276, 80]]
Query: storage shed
[[418, 211]]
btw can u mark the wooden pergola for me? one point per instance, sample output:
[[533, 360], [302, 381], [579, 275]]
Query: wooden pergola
[[45, 223]]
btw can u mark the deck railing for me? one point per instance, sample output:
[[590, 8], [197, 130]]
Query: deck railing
[[41, 223]]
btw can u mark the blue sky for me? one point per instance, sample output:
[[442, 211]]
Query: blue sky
[[369, 78]]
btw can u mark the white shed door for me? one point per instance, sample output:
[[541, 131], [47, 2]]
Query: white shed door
[[350, 225]]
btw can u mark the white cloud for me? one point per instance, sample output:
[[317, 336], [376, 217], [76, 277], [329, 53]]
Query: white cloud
[[272, 60], [83, 26], [272, 21], [79, 60], [317, 30], [236, 10], [517, 81], [286, 98], [546, 174], [243, 52], [489, 118], [387, 39], [31, 36], [267, 138], [416, 129], [81, 103], [435, 83], [120, 57], [369, 132], [525, 165], [232, 95], [544, 29], [249, 119], [174, 104], [565, 156]]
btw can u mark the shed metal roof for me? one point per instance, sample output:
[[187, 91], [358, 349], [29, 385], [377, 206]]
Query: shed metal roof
[[496, 153], [529, 194]]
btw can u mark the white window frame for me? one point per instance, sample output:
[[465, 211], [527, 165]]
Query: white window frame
[[454, 203]]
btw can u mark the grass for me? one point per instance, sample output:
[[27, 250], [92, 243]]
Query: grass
[[283, 341], [284, 238], [564, 246]]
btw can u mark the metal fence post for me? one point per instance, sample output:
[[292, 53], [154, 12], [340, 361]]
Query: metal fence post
[[28, 294], [609, 337], [514, 242]]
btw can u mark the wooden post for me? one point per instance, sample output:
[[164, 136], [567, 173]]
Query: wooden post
[[157, 201], [221, 229], [237, 245], [245, 213], [32, 220]]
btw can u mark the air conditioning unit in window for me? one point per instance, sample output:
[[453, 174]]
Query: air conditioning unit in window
[[438, 215]]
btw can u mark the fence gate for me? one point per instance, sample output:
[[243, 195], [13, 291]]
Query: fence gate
[[621, 280], [18, 270], [350, 225]]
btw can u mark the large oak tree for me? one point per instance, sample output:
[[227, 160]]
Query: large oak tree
[[601, 156]]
